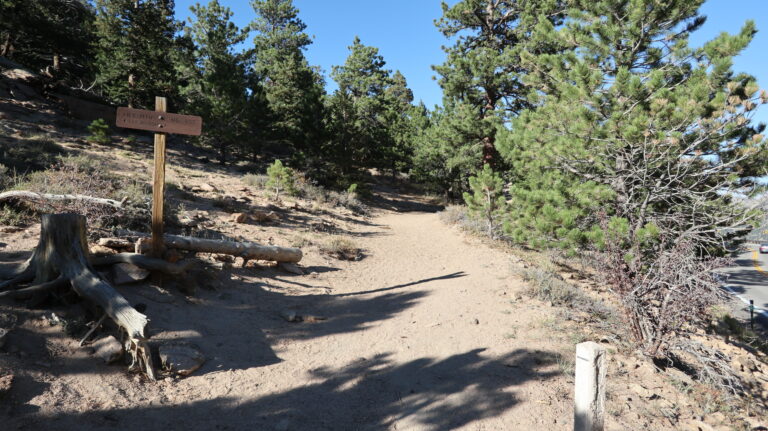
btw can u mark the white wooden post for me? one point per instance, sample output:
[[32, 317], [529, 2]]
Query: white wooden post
[[590, 387]]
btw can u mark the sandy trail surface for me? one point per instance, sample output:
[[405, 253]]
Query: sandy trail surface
[[428, 332]]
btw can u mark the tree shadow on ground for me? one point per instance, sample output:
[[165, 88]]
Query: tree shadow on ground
[[375, 393]]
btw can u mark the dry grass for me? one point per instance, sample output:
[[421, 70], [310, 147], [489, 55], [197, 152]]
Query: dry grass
[[81, 175], [342, 249]]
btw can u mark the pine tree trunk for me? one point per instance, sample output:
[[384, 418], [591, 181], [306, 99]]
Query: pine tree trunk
[[490, 154], [62, 258], [57, 62], [63, 252]]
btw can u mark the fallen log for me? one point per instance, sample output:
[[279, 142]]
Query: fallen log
[[145, 262], [245, 249], [62, 256], [47, 197]]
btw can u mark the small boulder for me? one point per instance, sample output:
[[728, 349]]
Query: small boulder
[[641, 390], [290, 316], [100, 250], [265, 217], [126, 273], [181, 359], [108, 349], [207, 187], [240, 218], [744, 364]]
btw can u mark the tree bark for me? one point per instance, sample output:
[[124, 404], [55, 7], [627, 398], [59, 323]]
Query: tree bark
[[62, 255], [46, 197], [246, 250]]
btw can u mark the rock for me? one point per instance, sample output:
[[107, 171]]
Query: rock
[[116, 243], [240, 218], [3, 337], [290, 316], [744, 364], [641, 390], [265, 217], [207, 187], [291, 268], [100, 250], [180, 359], [108, 349], [474, 321], [6, 382], [126, 273]]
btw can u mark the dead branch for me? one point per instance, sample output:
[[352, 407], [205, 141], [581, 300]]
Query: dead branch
[[62, 256], [31, 290], [47, 197], [245, 249]]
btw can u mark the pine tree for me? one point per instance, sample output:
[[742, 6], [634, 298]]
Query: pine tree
[[644, 166], [487, 201], [293, 89], [404, 121], [360, 107], [135, 50], [630, 100], [47, 33], [215, 84], [446, 153], [483, 69], [281, 178]]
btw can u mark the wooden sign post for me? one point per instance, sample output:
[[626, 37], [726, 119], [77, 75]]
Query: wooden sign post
[[162, 123]]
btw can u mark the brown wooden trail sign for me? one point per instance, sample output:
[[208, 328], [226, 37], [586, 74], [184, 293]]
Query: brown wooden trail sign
[[160, 122]]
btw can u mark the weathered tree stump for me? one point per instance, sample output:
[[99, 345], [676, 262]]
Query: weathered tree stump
[[62, 257]]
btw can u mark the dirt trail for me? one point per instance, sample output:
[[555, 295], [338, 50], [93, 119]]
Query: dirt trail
[[423, 333]]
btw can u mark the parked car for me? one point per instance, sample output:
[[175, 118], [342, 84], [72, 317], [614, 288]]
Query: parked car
[[763, 248]]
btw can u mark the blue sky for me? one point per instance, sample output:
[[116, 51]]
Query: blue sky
[[405, 34]]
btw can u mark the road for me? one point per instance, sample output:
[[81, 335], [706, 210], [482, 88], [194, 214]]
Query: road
[[747, 279]]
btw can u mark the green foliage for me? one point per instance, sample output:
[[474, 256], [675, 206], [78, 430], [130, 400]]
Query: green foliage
[[482, 75], [645, 165], [293, 89], [99, 132], [487, 200], [447, 152], [136, 50], [48, 33], [370, 114], [33, 154], [215, 79], [281, 178], [653, 138]]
